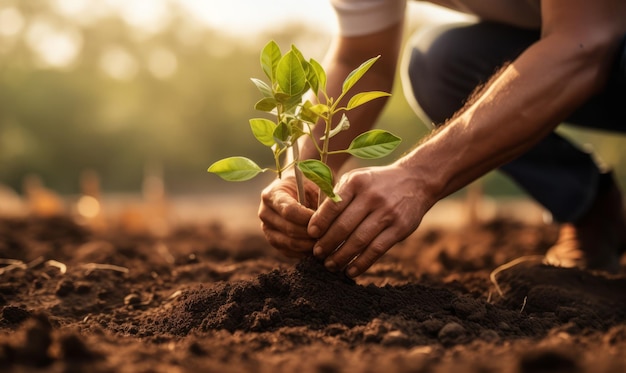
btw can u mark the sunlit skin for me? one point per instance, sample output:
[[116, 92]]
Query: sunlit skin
[[531, 96]]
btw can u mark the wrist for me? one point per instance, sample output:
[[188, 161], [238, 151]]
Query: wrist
[[423, 180]]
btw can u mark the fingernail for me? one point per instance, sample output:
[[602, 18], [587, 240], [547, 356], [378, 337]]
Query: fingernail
[[331, 266], [318, 251], [352, 272], [314, 231]]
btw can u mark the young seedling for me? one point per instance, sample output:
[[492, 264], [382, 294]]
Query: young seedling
[[290, 77]]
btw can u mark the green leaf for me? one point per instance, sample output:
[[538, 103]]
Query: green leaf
[[311, 77], [373, 144], [320, 109], [364, 97], [298, 54], [270, 55], [263, 130], [309, 73], [320, 174], [308, 115], [281, 133], [320, 73], [357, 74], [297, 129], [265, 89], [289, 103], [235, 169], [290, 74], [266, 104]]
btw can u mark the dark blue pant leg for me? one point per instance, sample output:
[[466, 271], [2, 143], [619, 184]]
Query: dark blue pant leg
[[444, 66]]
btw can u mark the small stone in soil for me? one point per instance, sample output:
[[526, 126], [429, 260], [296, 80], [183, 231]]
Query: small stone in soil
[[452, 333], [395, 338]]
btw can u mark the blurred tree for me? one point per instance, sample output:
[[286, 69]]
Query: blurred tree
[[124, 101], [95, 92]]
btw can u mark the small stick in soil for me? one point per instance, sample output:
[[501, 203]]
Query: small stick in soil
[[10, 261], [35, 262], [508, 265], [18, 264], [12, 264], [174, 295], [110, 267], [523, 304], [53, 263]]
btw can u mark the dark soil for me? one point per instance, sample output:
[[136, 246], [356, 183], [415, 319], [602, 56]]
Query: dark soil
[[203, 299]]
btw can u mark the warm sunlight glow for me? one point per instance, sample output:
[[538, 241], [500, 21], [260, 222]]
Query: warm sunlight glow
[[84, 12], [88, 207], [55, 45], [57, 39], [162, 63], [118, 63], [244, 17], [149, 16], [11, 22]]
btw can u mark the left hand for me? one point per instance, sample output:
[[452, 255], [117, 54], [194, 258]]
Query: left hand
[[380, 206], [283, 220]]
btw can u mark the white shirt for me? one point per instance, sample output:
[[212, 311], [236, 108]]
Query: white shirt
[[360, 17]]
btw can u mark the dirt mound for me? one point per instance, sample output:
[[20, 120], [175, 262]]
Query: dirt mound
[[305, 295]]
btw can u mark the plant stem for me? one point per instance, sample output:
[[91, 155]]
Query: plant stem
[[279, 170], [324, 153], [299, 183]]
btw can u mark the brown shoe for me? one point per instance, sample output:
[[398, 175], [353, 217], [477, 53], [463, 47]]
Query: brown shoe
[[598, 240]]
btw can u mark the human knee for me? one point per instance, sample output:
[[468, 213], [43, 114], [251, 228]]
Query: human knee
[[434, 72]]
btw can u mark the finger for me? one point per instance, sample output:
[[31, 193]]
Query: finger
[[295, 213], [287, 244], [326, 214], [286, 206], [356, 243], [311, 195], [341, 229], [272, 220], [377, 248]]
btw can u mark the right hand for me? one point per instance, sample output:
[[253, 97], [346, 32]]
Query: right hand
[[284, 220]]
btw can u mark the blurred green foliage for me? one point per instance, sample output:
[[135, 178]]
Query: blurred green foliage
[[131, 99], [56, 122]]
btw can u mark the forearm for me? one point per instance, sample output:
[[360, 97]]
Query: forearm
[[345, 55], [361, 119], [515, 111]]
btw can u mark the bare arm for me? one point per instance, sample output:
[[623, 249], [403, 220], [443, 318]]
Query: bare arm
[[346, 54], [515, 111], [531, 96]]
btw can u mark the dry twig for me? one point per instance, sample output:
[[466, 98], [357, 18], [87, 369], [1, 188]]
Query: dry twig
[[62, 267], [93, 266], [11, 265], [18, 264], [508, 265]]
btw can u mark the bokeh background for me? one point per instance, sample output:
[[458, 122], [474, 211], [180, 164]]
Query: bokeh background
[[128, 91]]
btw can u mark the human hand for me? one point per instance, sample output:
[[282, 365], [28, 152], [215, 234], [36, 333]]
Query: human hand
[[284, 220], [380, 206]]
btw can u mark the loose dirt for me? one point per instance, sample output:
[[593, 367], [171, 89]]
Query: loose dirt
[[201, 298]]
